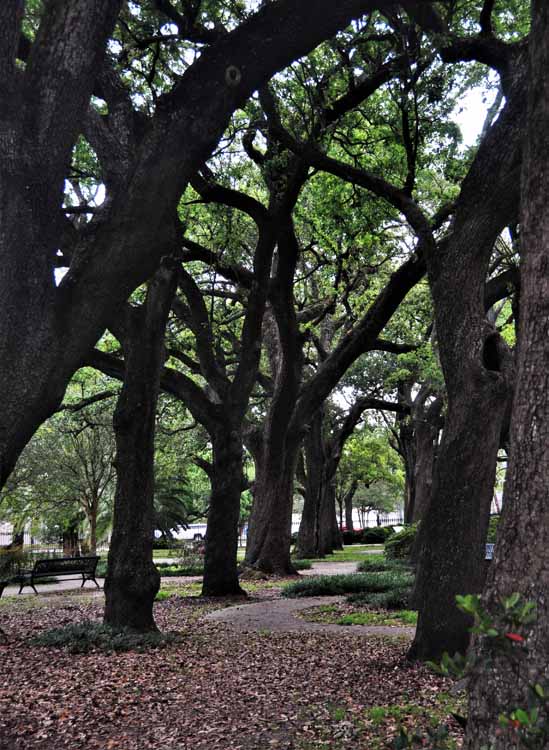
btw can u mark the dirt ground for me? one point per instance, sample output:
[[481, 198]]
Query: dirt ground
[[217, 686]]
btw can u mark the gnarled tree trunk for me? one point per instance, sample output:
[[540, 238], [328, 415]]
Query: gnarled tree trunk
[[309, 539], [478, 375], [521, 562], [220, 566], [132, 580]]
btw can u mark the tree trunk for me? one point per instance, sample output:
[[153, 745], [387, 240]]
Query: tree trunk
[[348, 502], [426, 439], [407, 449], [521, 561], [71, 546], [268, 547], [309, 544], [326, 519], [132, 580], [92, 520], [220, 565], [337, 541], [478, 375]]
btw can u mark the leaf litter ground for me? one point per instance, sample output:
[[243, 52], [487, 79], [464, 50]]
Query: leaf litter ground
[[213, 688]]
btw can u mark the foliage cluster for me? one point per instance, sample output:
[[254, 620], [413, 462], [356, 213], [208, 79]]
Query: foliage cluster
[[86, 637], [399, 546], [348, 584]]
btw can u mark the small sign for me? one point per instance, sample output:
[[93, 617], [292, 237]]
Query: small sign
[[489, 552]]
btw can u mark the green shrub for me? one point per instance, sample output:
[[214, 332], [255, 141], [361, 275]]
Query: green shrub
[[377, 534], [399, 545], [351, 537], [84, 637], [101, 570], [493, 529], [394, 599], [347, 584], [13, 562]]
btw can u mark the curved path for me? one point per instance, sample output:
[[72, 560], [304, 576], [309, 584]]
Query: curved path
[[278, 616]]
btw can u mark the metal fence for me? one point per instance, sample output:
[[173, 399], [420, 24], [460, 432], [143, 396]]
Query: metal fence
[[34, 544], [39, 546]]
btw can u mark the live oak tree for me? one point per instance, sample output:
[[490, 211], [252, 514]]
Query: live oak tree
[[475, 360], [521, 563], [147, 158]]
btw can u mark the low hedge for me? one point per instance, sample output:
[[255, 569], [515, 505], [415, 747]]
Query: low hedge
[[373, 535], [377, 534], [352, 583]]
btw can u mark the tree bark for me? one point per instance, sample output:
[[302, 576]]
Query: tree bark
[[478, 375], [220, 565], [71, 545], [348, 502], [310, 539], [427, 429], [132, 580], [521, 560]]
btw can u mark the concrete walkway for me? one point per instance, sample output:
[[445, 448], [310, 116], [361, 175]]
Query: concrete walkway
[[49, 588], [330, 569], [278, 616]]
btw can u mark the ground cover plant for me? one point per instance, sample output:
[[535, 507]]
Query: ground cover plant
[[352, 583]]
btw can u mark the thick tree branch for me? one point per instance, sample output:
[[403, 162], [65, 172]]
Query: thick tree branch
[[197, 318], [11, 15], [61, 70], [360, 339]]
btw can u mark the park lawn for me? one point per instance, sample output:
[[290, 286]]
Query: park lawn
[[210, 688], [351, 553]]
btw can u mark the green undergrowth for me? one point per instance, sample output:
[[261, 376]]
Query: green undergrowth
[[380, 564], [351, 553], [381, 720], [336, 614], [302, 564], [167, 570], [352, 583], [85, 637], [394, 599], [402, 617]]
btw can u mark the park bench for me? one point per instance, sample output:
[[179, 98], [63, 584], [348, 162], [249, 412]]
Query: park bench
[[60, 566]]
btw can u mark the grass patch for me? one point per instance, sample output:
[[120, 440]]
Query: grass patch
[[164, 594], [165, 569], [302, 564], [351, 553], [165, 553], [352, 583], [383, 720], [402, 617], [86, 637], [379, 564]]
